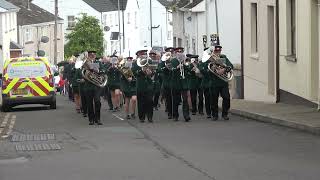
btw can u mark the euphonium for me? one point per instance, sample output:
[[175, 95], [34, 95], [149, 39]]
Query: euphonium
[[95, 78], [216, 64], [125, 70]]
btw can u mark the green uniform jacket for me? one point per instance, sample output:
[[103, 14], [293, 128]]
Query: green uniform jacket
[[207, 75], [157, 81], [144, 82], [195, 81], [217, 82], [187, 77], [88, 85], [175, 78], [128, 86], [75, 75], [165, 75], [114, 76]]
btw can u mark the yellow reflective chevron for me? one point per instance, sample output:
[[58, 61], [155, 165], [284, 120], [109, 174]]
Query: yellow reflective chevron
[[36, 88], [10, 86], [44, 83]]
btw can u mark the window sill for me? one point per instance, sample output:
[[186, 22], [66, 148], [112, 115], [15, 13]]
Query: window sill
[[254, 56], [291, 58], [29, 42]]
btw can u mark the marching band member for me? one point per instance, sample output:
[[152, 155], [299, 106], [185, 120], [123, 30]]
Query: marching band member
[[165, 69], [128, 87], [205, 85], [144, 86], [185, 73], [75, 84], [114, 82], [195, 89], [220, 87], [93, 92], [107, 93], [176, 81], [155, 57]]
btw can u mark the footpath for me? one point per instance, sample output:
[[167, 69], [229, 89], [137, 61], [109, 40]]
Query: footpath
[[297, 117]]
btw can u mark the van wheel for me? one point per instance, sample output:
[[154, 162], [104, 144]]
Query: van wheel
[[53, 105], [5, 108]]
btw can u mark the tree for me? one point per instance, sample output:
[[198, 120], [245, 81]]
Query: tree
[[86, 35]]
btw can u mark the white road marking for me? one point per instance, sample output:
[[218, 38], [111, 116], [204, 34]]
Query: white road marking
[[12, 122], [4, 122], [118, 117]]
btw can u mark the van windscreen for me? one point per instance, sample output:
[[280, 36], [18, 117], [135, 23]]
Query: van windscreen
[[26, 69]]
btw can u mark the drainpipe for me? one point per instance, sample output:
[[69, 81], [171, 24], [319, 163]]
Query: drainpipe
[[319, 52], [242, 50]]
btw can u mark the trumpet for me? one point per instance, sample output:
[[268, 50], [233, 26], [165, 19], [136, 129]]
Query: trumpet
[[147, 68]]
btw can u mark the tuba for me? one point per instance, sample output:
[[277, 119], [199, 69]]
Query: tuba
[[95, 78], [216, 63], [125, 70]]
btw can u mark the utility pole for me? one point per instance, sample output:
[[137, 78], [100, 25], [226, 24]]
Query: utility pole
[[119, 26], [55, 32], [217, 18], [151, 22]]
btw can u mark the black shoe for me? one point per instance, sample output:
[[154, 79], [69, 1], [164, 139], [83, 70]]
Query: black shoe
[[115, 109], [99, 123], [142, 121], [214, 118], [133, 116], [194, 113], [188, 119], [156, 108], [225, 117], [150, 120], [128, 117], [169, 117], [91, 123], [208, 116], [84, 115], [201, 113]]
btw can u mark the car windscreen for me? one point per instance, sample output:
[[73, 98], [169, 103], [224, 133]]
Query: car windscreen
[[26, 69]]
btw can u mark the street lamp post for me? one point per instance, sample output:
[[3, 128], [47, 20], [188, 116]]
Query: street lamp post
[[55, 32], [119, 26], [151, 22]]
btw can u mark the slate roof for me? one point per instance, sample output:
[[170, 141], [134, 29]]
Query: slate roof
[[8, 6], [107, 5], [34, 15], [15, 46], [180, 3]]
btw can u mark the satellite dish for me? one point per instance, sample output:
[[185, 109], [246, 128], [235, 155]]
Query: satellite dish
[[41, 53], [44, 39], [106, 28]]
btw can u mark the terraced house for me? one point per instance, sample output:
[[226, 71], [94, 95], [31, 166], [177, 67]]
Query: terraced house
[[8, 31], [281, 51]]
